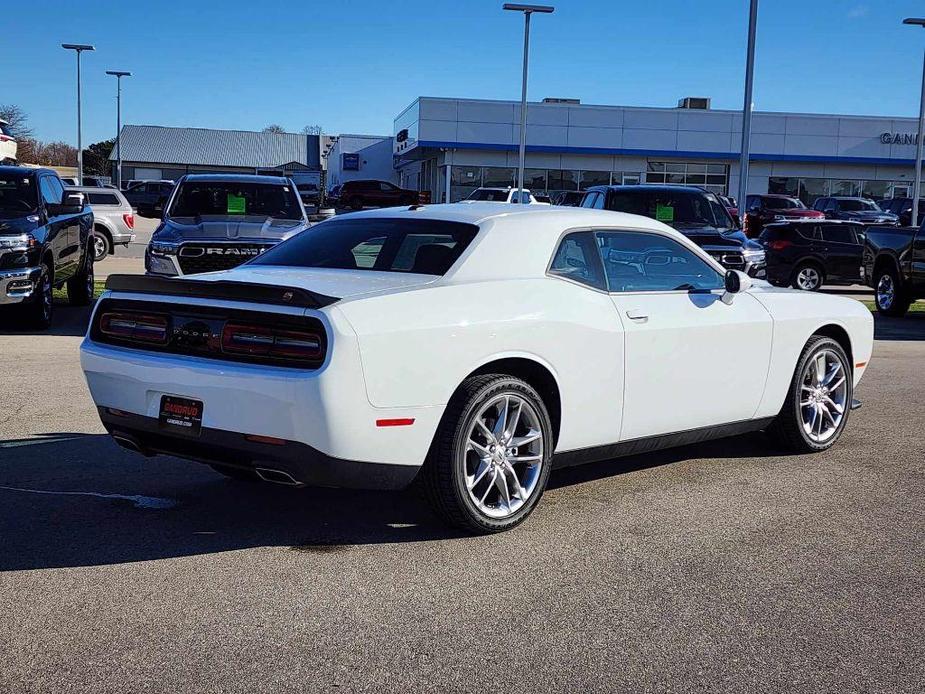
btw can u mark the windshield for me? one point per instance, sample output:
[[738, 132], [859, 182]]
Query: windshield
[[420, 246], [18, 195], [489, 194], [857, 205], [784, 204], [235, 199], [677, 208]]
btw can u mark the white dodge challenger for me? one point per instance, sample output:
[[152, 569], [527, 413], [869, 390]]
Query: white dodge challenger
[[470, 348]]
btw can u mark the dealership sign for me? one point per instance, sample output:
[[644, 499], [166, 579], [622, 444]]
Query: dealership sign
[[350, 161], [899, 138]]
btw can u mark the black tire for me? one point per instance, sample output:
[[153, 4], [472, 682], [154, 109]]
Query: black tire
[[787, 429], [39, 310], [355, 203], [80, 288], [886, 280], [236, 473], [812, 271], [442, 477], [101, 245]]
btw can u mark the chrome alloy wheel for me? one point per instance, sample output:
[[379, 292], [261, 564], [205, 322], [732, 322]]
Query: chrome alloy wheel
[[808, 278], [100, 247], [823, 395], [503, 456], [886, 292]]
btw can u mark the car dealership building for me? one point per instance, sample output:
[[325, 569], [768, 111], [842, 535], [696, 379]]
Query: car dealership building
[[571, 146]]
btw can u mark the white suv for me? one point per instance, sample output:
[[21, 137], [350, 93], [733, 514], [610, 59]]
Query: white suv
[[7, 144], [502, 195]]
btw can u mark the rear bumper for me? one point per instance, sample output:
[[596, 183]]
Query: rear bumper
[[306, 466], [17, 286]]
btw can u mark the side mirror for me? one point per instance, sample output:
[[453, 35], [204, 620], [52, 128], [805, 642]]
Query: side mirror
[[72, 203], [736, 282]]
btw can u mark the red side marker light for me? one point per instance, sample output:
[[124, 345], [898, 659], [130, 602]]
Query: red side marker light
[[860, 364], [400, 422]]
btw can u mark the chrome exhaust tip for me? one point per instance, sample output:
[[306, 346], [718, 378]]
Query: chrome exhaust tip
[[277, 477], [131, 443]]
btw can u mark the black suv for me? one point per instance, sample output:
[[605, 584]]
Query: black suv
[[695, 212], [806, 254], [359, 194], [854, 210], [218, 221]]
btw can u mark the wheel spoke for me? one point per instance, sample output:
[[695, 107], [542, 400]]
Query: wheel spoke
[[819, 409], [524, 458], [836, 384], [501, 422], [827, 414], [820, 369], [529, 437], [485, 430], [834, 405], [488, 489], [504, 494], [514, 421], [483, 470], [831, 375], [812, 421], [479, 448], [520, 491]]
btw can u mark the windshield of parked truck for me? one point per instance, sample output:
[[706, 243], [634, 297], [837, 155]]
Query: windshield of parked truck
[[858, 205], [235, 199], [678, 208], [18, 195], [419, 246]]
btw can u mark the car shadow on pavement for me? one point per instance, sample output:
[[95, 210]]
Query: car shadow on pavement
[[69, 500], [68, 321], [909, 327]]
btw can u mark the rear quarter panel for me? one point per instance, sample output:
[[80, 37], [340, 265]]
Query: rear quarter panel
[[417, 347], [797, 316]]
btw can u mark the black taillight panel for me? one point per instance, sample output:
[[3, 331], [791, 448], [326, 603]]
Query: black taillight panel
[[253, 337]]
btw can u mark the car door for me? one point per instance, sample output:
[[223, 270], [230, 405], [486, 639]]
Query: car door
[[56, 238], [691, 360], [842, 252]]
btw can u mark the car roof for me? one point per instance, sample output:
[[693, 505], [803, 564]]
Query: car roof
[[232, 178], [25, 170], [94, 189], [649, 187]]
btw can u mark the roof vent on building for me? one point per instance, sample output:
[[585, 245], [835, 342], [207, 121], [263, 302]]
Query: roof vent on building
[[557, 100], [700, 103]]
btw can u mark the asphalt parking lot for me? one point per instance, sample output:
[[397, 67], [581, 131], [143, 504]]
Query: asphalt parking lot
[[724, 567]]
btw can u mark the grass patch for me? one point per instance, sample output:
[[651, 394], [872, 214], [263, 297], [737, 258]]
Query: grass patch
[[60, 295], [916, 307]]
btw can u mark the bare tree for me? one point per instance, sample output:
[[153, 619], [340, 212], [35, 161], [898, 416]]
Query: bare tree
[[53, 153], [18, 121], [312, 130], [274, 128]]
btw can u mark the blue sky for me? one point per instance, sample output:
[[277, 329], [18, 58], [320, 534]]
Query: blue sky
[[353, 65]]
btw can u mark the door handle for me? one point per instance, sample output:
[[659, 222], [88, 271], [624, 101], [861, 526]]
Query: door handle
[[637, 315]]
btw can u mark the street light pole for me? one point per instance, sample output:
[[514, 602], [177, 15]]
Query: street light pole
[[79, 48], [917, 185], [527, 10], [747, 108], [118, 74]]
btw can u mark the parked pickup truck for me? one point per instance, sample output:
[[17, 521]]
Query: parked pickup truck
[[45, 242], [894, 265]]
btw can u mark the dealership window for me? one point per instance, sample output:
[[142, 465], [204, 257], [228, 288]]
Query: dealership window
[[713, 177], [593, 178], [534, 179], [464, 180], [562, 179], [848, 189], [499, 177]]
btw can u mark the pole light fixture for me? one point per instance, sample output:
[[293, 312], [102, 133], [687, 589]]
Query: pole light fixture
[[79, 48], [527, 11], [917, 186], [118, 74]]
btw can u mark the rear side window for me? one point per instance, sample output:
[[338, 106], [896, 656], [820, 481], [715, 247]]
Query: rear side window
[[838, 234], [419, 246], [591, 199], [103, 199], [577, 259]]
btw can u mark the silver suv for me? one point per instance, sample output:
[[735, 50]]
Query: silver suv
[[113, 219]]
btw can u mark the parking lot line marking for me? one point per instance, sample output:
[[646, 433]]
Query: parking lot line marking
[[140, 501]]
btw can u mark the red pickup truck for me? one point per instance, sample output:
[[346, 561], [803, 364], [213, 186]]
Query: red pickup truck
[[764, 209]]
